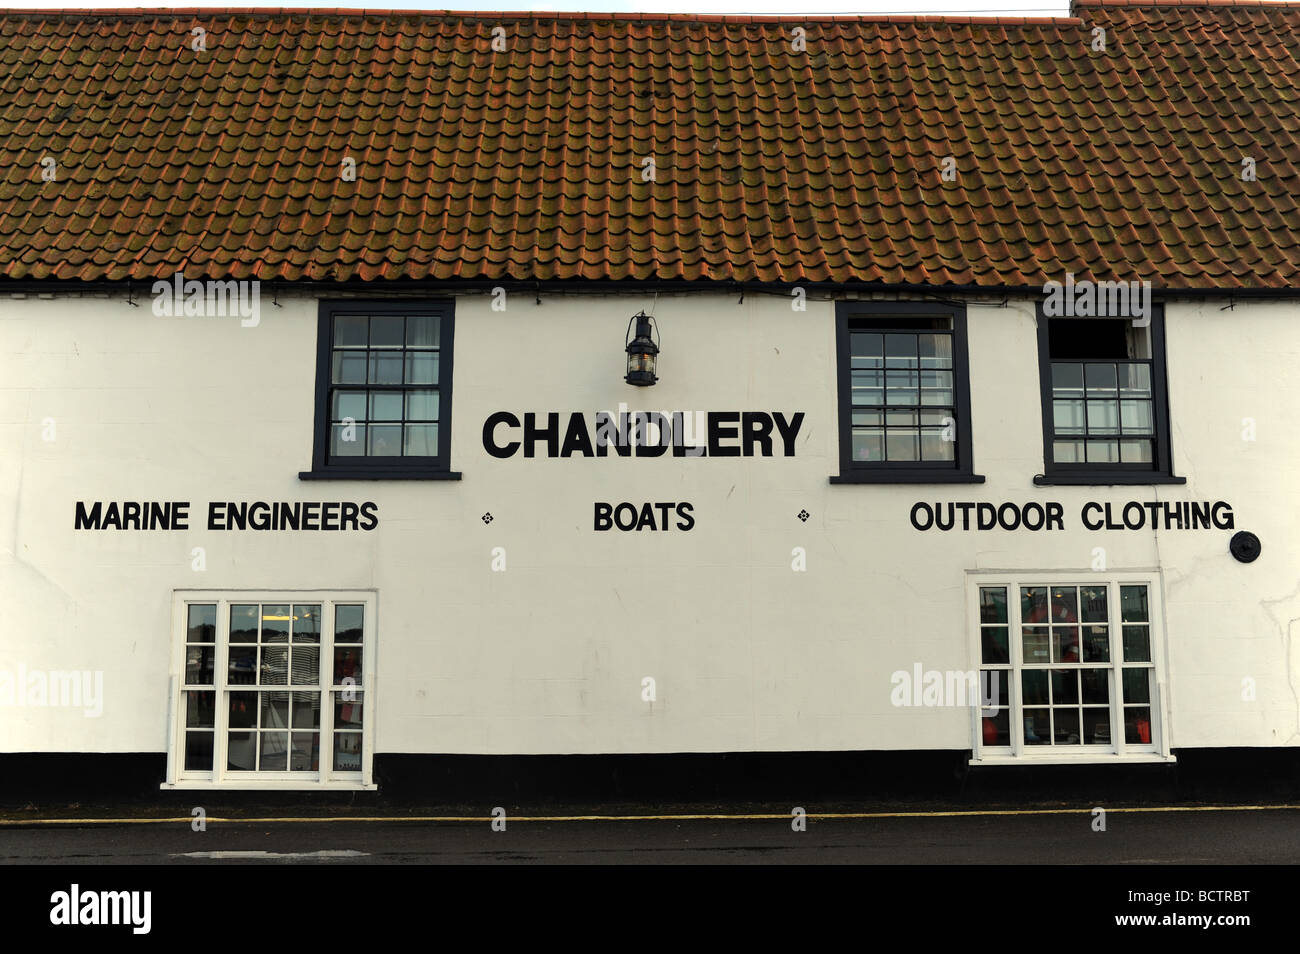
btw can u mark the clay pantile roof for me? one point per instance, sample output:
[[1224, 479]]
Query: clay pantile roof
[[653, 147]]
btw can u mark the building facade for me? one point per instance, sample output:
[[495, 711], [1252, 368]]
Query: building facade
[[276, 524]]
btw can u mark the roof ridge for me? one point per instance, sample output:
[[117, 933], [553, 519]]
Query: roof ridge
[[1075, 4], [158, 13]]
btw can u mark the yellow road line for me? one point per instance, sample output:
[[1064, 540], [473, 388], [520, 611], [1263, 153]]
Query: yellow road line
[[764, 816]]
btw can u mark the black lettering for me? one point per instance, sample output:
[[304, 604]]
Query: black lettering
[[1110, 521], [1225, 522], [603, 516], [1012, 524], [987, 516], [262, 522], [717, 433], [789, 430], [1153, 507], [159, 516], [938, 516], [214, 516], [679, 438], [643, 447], [289, 515], [1141, 516], [925, 509], [664, 510], [87, 521], [647, 518], [368, 514], [236, 515], [576, 438], [1054, 514], [311, 516], [618, 516], [532, 434], [349, 516], [684, 519], [330, 517], [489, 441], [757, 429], [1035, 513], [180, 515], [130, 516], [965, 509], [1200, 516], [112, 518], [1174, 516]]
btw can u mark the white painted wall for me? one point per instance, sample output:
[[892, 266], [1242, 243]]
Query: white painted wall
[[548, 657]]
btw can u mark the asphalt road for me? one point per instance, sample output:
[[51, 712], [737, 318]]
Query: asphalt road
[[1204, 837]]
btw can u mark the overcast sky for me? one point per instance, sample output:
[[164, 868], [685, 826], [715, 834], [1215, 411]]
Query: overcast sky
[[964, 7]]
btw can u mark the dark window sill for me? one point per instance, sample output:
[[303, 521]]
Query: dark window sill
[[343, 473], [1084, 480], [907, 477]]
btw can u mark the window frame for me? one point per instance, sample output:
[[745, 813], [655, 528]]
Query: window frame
[[382, 468], [1160, 470], [961, 469], [220, 776], [1119, 750]]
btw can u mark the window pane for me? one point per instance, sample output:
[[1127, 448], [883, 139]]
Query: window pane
[[1134, 380], [349, 404], [868, 350], [1065, 608], [275, 710], [1100, 379], [1093, 604], [935, 446], [1096, 687], [1065, 686], [1065, 723], [1137, 644], [201, 626], [347, 665], [1038, 727], [275, 666], [1096, 727], [347, 751], [901, 387], [1135, 452], [1067, 452], [305, 670], [1135, 416], [1096, 644], [993, 604], [422, 331], [868, 444], [901, 418], [901, 445], [386, 331], [243, 622], [1065, 644], [200, 710], [1034, 644], [994, 687], [243, 710], [994, 648], [1067, 380], [198, 751], [936, 387], [384, 440], [349, 367], [347, 713], [868, 388], [1033, 604], [1133, 604], [241, 751], [422, 405], [348, 440], [275, 751], [1033, 686], [422, 367], [304, 755], [385, 405], [242, 670], [1137, 685], [275, 623], [936, 350], [306, 623], [1137, 725], [348, 623], [1103, 417], [1067, 417], [997, 728], [1103, 452], [200, 664], [385, 367], [349, 331], [900, 351], [420, 440], [306, 710]]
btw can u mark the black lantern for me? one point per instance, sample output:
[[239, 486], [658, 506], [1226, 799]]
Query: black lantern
[[642, 351]]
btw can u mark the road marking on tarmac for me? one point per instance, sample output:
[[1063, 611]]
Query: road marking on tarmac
[[756, 816], [269, 855]]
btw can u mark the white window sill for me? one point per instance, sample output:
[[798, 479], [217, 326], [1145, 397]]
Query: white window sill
[[1131, 758], [268, 785]]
